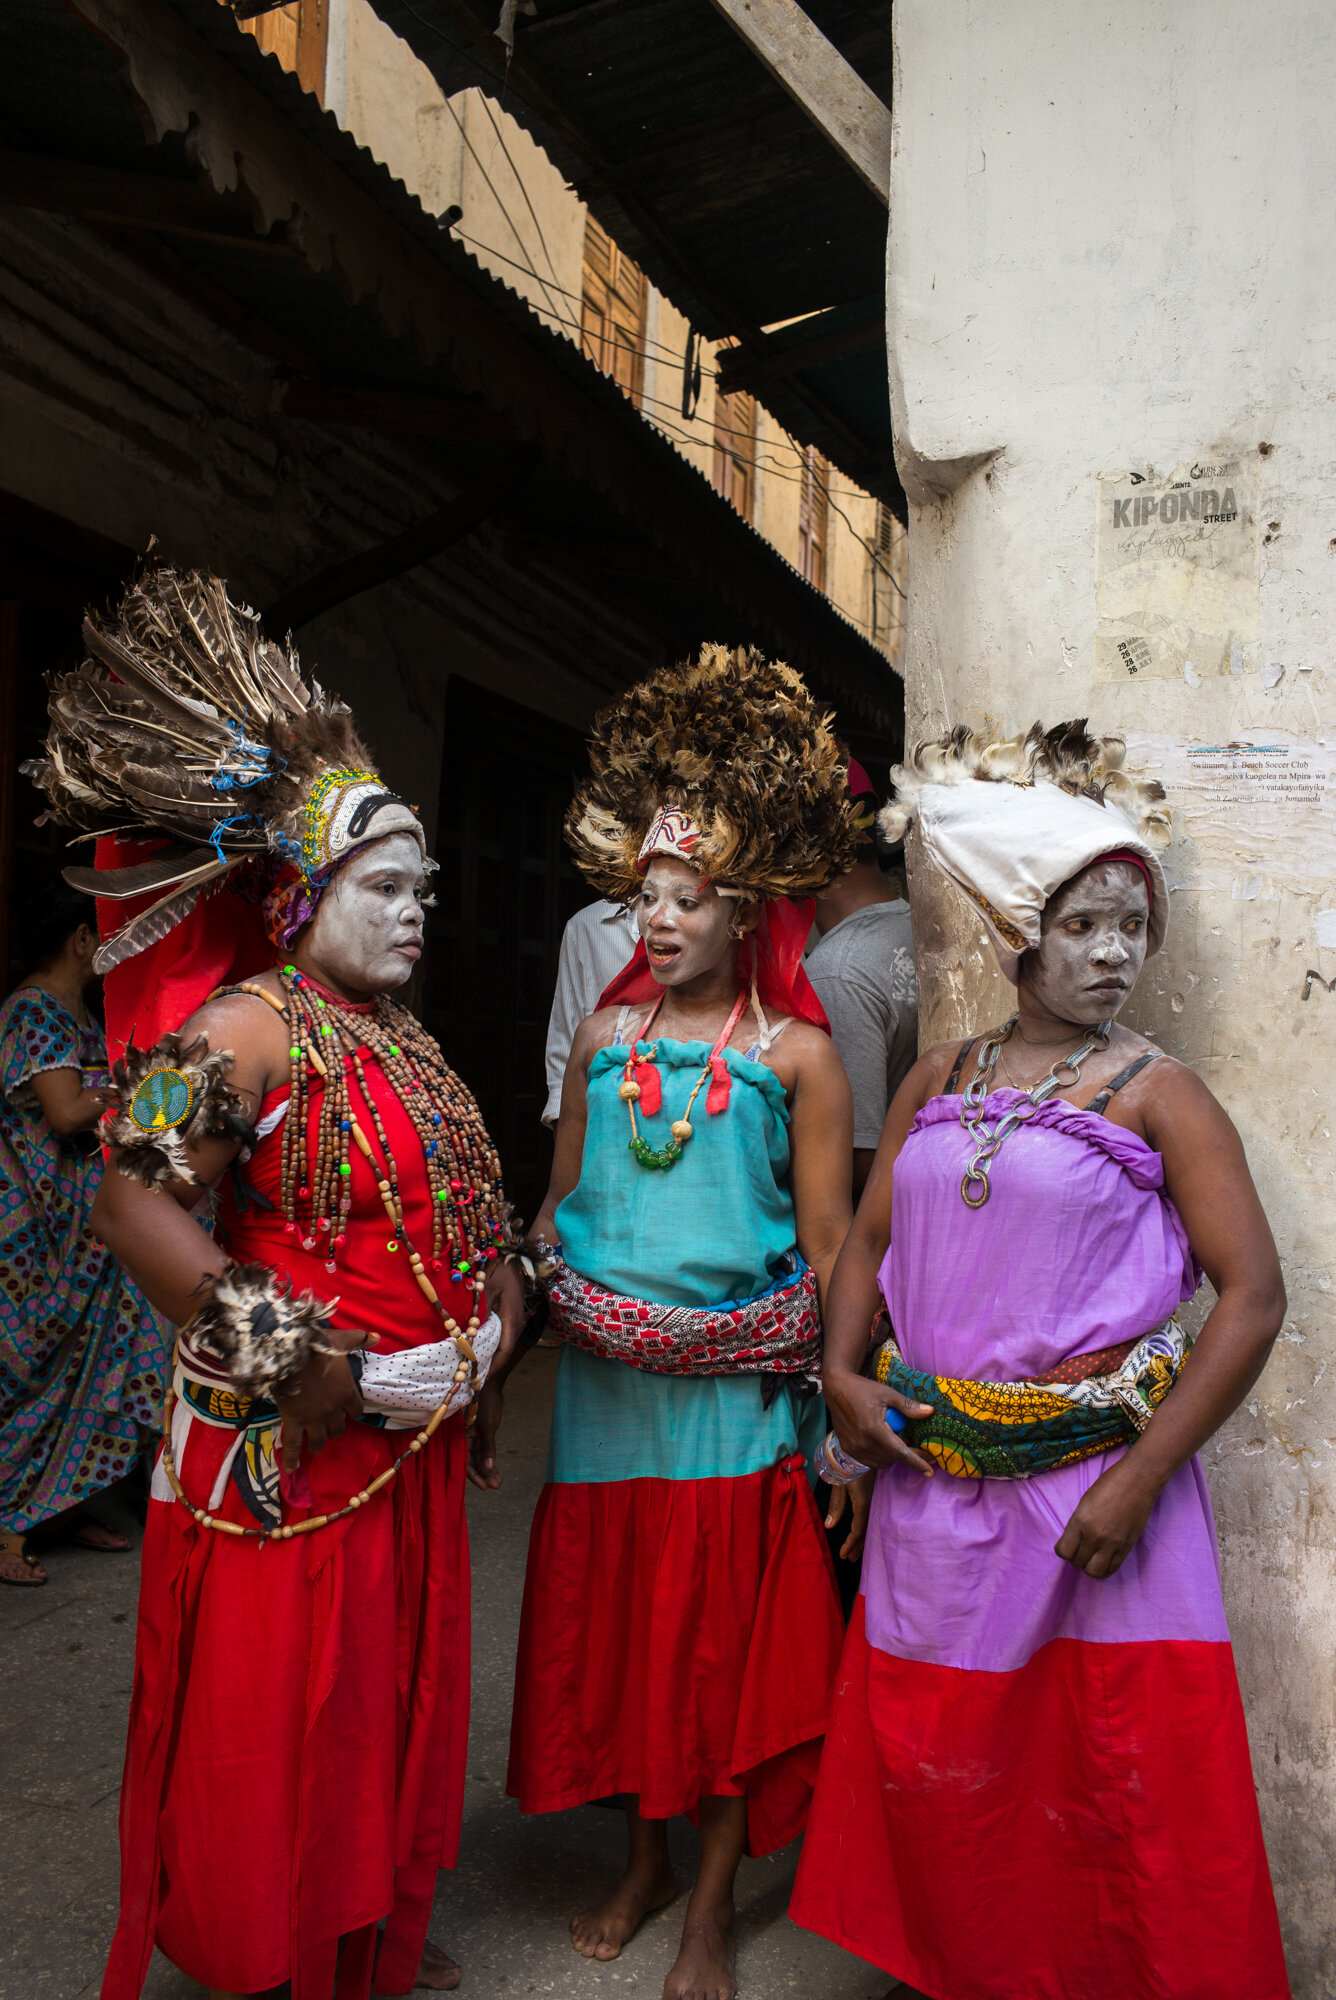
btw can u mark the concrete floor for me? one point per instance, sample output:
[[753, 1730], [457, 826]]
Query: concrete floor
[[66, 1657]]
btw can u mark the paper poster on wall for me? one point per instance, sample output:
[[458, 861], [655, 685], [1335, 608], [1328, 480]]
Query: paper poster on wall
[[1177, 570], [1251, 817]]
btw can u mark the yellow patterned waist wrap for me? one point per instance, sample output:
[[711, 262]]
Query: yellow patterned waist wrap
[[1010, 1430]]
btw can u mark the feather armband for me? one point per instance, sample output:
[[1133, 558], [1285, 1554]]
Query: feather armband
[[535, 1263], [170, 1093], [254, 1324]]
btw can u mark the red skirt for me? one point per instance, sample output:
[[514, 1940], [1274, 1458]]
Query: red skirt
[[679, 1641], [1083, 1828], [298, 1730]]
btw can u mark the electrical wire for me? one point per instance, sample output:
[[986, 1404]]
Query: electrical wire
[[505, 212], [519, 182]]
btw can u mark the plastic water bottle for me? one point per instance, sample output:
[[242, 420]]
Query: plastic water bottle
[[832, 1462]]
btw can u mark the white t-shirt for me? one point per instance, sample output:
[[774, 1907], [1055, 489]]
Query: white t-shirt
[[595, 945]]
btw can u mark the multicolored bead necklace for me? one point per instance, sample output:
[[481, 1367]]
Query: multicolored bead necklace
[[463, 1172], [661, 1158]]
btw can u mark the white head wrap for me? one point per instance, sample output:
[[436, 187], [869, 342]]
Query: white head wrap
[[1011, 821]]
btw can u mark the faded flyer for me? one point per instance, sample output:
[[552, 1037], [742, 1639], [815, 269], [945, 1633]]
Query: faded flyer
[[1253, 816], [1177, 570]]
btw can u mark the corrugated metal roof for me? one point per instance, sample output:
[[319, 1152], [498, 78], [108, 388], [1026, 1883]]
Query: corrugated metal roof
[[702, 168], [63, 95]]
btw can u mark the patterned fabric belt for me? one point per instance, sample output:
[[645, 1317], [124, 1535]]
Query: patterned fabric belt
[[398, 1392], [777, 1334], [1009, 1430]]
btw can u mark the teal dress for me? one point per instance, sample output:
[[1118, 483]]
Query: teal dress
[[715, 1230], [681, 1628]]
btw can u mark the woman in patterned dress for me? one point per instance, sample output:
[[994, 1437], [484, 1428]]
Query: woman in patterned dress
[[82, 1354]]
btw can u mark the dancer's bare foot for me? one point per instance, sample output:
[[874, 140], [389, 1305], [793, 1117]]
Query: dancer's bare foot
[[437, 1972], [704, 1968], [602, 1930], [91, 1534]]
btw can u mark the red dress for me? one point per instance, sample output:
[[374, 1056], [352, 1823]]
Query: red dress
[[299, 1721]]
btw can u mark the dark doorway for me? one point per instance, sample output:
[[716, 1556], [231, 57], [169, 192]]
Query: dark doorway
[[504, 893], [50, 572]]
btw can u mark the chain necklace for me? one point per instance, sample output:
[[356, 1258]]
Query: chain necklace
[[660, 1159], [975, 1186]]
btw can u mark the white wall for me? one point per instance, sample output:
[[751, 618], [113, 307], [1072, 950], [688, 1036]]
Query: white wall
[[1111, 246]]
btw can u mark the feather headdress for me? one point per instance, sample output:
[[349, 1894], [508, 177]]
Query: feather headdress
[[1010, 819], [186, 720], [725, 760]]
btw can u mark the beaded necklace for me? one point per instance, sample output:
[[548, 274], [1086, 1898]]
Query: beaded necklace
[[455, 1148], [664, 1157], [463, 1172]]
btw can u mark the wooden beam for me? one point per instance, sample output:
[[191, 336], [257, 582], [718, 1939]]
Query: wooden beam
[[740, 370], [817, 77], [111, 195], [452, 418], [426, 538]]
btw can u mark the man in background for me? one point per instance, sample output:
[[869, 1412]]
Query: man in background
[[595, 945], [862, 967]]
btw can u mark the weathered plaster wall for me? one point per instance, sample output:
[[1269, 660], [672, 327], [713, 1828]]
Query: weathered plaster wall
[[1111, 247]]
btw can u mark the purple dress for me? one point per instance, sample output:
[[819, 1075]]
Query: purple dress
[[1024, 1758]]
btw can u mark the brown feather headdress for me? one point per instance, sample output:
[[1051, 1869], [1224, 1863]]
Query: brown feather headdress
[[735, 744], [185, 720]]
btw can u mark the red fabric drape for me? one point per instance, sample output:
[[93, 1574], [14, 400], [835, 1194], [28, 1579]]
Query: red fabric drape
[[679, 1641], [781, 981], [220, 942], [1107, 1787]]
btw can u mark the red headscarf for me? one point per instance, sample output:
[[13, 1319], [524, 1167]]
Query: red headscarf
[[781, 983]]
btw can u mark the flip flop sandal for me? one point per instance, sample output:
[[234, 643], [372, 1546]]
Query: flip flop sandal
[[15, 1545]]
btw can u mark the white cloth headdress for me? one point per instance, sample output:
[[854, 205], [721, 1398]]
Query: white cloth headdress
[[1011, 820]]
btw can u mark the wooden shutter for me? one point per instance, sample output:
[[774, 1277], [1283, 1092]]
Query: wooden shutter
[[298, 34], [612, 310], [813, 517], [735, 448]]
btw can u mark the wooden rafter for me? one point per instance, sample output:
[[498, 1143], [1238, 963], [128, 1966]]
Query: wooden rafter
[[821, 83], [740, 370]]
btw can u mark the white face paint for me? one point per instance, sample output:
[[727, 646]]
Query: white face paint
[[1093, 945], [685, 924], [366, 935]]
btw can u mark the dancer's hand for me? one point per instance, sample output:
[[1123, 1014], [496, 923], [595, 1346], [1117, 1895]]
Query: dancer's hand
[[858, 1412], [325, 1399], [1108, 1520], [481, 1467], [504, 1295], [859, 1492]]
